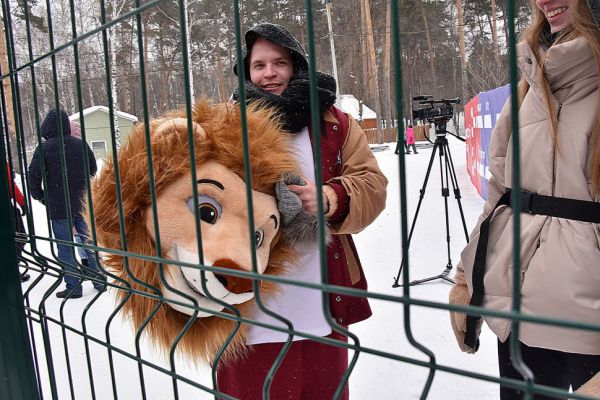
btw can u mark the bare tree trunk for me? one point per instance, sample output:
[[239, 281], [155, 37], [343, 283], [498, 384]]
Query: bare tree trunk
[[6, 83], [505, 26], [231, 78], [203, 90], [365, 82], [373, 67], [429, 49], [461, 45], [113, 77], [387, 68], [153, 107], [128, 84], [495, 35], [165, 77], [223, 95], [188, 33]]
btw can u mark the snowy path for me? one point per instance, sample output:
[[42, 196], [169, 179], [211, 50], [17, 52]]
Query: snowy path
[[374, 377]]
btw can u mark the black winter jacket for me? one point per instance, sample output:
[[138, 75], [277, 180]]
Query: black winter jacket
[[48, 152]]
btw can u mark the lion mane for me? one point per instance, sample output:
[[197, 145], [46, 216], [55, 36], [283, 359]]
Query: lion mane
[[138, 279]]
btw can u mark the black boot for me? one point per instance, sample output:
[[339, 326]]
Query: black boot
[[70, 293], [85, 269]]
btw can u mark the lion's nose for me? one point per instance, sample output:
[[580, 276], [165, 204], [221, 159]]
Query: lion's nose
[[234, 284]]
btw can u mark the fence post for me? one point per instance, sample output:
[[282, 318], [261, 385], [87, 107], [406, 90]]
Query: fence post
[[17, 374]]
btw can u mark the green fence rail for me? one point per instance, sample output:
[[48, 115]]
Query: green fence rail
[[47, 353]]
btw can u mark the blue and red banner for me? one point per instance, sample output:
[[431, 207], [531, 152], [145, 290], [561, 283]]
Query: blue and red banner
[[481, 114]]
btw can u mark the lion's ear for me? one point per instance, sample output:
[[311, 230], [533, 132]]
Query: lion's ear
[[170, 124]]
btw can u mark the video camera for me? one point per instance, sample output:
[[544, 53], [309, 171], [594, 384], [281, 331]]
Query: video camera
[[434, 110]]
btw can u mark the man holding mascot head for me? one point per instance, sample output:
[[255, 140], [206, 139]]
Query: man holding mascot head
[[353, 195]]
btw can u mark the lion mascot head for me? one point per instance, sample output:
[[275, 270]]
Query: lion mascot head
[[180, 297]]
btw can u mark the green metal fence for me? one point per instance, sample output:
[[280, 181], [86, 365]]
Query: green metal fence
[[45, 353]]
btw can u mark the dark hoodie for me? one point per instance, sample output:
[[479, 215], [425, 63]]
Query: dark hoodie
[[293, 104], [278, 35], [48, 152]]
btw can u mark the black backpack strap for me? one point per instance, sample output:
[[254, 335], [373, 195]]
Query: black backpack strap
[[471, 337], [560, 207]]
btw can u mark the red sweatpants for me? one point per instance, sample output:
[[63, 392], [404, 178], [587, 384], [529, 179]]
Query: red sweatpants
[[309, 371]]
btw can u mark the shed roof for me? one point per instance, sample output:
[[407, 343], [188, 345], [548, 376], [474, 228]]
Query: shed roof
[[350, 104], [90, 110]]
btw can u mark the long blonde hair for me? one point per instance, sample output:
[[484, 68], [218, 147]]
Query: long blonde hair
[[582, 25]]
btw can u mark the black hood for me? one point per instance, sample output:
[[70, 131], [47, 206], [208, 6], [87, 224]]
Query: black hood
[[278, 35], [50, 125]]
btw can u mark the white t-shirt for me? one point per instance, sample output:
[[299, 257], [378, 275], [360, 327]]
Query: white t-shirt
[[302, 306]]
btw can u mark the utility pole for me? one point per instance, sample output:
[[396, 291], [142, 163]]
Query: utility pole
[[332, 46]]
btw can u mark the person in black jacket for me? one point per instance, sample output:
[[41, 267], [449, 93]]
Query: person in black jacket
[[54, 195]]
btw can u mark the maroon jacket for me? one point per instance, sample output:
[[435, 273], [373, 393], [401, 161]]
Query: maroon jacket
[[347, 165]]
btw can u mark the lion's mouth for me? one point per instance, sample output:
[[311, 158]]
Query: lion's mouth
[[216, 285], [194, 289], [191, 285]]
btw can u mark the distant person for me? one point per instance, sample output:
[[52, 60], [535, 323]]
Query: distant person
[[410, 139], [48, 152], [17, 197], [559, 117]]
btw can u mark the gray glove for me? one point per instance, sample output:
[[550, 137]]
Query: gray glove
[[298, 226]]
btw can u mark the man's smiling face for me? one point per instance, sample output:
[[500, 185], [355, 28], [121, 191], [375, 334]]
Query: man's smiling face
[[271, 66]]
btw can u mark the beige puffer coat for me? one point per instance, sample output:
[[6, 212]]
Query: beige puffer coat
[[560, 258]]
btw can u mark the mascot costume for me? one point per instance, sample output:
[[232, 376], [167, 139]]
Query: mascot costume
[[280, 223]]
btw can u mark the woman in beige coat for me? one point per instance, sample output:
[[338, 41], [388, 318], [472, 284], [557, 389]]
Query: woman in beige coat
[[559, 120]]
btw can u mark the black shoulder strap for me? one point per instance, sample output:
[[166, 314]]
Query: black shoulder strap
[[471, 337]]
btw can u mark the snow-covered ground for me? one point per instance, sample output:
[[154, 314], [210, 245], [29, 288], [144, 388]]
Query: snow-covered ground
[[374, 377]]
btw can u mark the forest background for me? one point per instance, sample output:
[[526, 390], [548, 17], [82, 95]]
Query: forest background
[[449, 48]]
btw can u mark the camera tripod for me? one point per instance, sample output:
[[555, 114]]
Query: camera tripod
[[447, 174]]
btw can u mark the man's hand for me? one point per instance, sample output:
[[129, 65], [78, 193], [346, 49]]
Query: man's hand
[[308, 195], [298, 225]]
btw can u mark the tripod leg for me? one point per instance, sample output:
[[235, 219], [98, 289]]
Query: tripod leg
[[456, 189], [436, 147], [445, 194]]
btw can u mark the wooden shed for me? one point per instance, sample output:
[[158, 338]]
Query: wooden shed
[[97, 128]]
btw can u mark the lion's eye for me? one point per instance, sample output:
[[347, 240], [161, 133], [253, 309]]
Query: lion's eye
[[209, 209], [259, 236]]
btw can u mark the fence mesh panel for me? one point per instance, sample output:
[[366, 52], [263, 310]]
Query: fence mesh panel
[[78, 350]]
